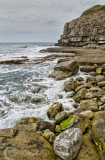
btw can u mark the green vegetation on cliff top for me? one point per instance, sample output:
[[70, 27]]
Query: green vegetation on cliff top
[[94, 9]]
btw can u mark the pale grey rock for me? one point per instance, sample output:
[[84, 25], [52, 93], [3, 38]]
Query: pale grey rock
[[68, 143]]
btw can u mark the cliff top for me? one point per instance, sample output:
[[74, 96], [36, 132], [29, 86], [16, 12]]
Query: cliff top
[[93, 10]]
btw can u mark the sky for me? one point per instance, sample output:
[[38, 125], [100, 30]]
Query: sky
[[38, 20]]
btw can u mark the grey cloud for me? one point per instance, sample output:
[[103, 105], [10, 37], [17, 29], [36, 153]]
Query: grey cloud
[[39, 18]]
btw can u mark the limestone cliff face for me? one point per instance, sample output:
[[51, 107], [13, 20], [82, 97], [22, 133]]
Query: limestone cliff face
[[86, 31]]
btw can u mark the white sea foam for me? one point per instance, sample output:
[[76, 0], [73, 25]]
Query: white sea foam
[[18, 83]]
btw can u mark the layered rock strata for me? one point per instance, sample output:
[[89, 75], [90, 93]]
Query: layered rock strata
[[86, 31]]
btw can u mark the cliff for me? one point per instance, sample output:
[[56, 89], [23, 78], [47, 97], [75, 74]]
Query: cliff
[[86, 31]]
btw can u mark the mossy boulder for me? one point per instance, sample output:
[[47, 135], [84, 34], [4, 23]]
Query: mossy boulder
[[80, 121], [98, 131], [54, 110], [80, 95], [88, 150], [60, 117], [64, 124]]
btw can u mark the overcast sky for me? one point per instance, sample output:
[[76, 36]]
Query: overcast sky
[[38, 20]]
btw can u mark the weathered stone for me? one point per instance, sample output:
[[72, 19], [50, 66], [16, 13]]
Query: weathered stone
[[8, 133], [89, 114], [85, 85], [79, 79], [75, 105], [71, 94], [34, 124], [98, 131], [70, 85], [103, 100], [37, 90], [60, 117], [101, 84], [88, 150], [80, 121], [54, 110], [91, 79], [100, 78], [49, 135], [59, 75], [80, 95], [87, 68], [27, 145], [102, 108], [68, 66], [89, 105], [90, 95], [68, 143], [99, 71], [94, 89], [36, 100]]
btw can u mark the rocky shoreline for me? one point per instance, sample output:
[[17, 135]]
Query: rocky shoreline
[[78, 134]]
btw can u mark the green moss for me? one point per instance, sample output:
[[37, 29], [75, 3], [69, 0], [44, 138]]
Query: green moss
[[94, 9], [64, 124], [58, 129]]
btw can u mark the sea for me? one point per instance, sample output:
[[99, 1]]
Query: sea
[[18, 83]]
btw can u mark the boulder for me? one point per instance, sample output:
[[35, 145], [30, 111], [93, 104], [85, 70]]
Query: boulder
[[49, 135], [34, 124], [87, 68], [36, 100], [68, 66], [54, 110], [89, 114], [80, 121], [68, 143], [79, 79], [60, 117], [99, 71], [98, 130], [70, 85], [80, 95], [27, 145], [85, 85], [88, 150], [101, 84], [94, 89], [89, 105], [100, 78], [90, 95], [59, 75]]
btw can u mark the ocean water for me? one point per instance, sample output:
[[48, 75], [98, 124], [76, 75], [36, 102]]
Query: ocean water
[[18, 82]]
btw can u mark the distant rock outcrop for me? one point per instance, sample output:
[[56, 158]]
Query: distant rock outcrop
[[86, 31]]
